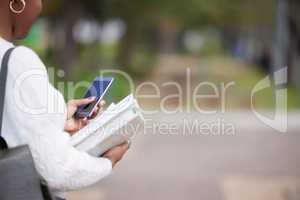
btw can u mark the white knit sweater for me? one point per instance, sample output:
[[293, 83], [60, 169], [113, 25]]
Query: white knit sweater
[[34, 114]]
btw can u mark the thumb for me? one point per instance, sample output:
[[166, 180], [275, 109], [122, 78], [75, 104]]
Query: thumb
[[80, 102]]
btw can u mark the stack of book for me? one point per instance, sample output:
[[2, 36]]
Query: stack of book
[[117, 124]]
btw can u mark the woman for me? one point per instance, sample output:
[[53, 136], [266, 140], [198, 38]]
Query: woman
[[45, 124]]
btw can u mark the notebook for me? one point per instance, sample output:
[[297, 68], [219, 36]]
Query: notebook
[[118, 123]]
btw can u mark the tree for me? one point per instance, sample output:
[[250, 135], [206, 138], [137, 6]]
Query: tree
[[144, 17], [63, 16]]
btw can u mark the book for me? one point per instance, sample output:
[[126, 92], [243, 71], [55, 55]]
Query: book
[[117, 124]]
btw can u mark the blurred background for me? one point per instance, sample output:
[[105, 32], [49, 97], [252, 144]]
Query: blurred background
[[219, 41]]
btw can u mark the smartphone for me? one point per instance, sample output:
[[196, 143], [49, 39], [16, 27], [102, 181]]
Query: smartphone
[[98, 89]]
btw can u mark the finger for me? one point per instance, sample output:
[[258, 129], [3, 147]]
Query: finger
[[80, 102], [102, 103], [78, 125], [125, 145], [122, 148], [84, 121], [129, 143], [100, 111], [95, 113], [96, 110], [81, 123]]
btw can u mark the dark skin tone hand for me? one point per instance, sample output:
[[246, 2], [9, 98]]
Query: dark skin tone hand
[[73, 124], [116, 154], [14, 26]]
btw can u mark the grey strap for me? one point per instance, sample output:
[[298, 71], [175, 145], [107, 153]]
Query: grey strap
[[3, 78]]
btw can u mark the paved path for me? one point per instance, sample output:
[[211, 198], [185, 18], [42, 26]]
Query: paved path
[[256, 163]]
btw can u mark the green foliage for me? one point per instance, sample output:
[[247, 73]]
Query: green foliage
[[143, 16], [188, 12]]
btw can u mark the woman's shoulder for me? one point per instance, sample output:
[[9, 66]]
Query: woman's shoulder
[[24, 58], [25, 54]]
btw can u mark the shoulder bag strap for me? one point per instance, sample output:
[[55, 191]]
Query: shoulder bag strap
[[3, 78]]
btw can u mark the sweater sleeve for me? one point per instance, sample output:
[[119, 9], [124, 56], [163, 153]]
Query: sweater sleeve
[[62, 166]]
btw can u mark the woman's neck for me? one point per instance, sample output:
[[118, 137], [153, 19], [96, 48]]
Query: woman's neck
[[6, 31], [6, 35]]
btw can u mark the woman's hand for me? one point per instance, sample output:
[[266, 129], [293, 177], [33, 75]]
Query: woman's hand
[[116, 154], [72, 124]]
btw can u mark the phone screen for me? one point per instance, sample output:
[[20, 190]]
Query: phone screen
[[98, 88]]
